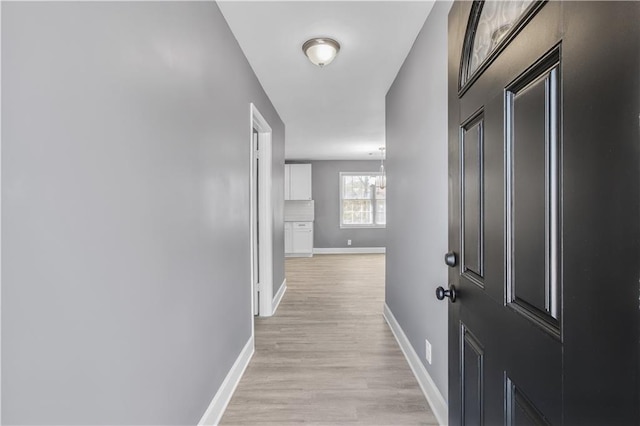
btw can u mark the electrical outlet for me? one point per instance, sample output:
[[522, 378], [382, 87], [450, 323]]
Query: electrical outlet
[[348, 242], [427, 350]]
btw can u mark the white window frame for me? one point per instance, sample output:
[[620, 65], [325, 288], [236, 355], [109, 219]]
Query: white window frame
[[340, 200]]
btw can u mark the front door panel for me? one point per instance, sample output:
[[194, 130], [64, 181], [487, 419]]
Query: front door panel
[[507, 137], [515, 165]]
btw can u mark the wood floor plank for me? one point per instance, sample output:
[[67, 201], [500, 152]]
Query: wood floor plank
[[328, 357]]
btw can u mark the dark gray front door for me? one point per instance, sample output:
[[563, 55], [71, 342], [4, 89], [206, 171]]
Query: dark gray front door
[[544, 158]]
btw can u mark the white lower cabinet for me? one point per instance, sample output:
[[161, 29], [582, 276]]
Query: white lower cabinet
[[302, 238], [298, 238]]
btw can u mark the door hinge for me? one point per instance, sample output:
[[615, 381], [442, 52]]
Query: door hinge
[[258, 287], [257, 152]]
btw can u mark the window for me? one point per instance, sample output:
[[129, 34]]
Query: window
[[491, 26], [362, 203]]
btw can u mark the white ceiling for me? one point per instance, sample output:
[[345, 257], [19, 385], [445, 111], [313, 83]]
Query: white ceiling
[[336, 112]]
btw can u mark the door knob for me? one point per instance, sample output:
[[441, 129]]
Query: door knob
[[451, 259], [441, 293]]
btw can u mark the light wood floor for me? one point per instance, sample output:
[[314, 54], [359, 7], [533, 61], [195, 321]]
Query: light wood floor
[[327, 356]]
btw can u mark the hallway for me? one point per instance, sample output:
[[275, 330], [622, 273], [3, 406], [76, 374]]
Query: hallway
[[328, 356]]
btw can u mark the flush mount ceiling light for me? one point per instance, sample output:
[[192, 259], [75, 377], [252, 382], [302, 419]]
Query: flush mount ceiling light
[[321, 51]]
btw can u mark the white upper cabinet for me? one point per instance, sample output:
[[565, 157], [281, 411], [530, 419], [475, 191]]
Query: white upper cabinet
[[297, 182]]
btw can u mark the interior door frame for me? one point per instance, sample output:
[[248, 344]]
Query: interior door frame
[[265, 215], [0, 229]]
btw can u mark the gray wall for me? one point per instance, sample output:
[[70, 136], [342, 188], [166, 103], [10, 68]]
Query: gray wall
[[326, 194], [125, 209], [417, 181]]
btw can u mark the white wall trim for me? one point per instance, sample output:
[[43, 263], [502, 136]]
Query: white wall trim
[[429, 388], [219, 403], [265, 212], [278, 297], [349, 250], [0, 221], [298, 255]]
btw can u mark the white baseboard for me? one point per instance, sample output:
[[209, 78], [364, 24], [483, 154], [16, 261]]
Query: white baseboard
[[278, 297], [298, 255], [349, 250], [214, 412], [431, 392]]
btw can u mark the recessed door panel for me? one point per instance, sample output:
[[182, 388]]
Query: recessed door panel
[[520, 410], [472, 200], [472, 367], [533, 203], [529, 194]]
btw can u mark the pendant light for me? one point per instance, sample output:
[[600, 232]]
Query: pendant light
[[381, 179], [321, 51]]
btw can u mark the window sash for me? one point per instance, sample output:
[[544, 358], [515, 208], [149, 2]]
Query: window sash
[[362, 204]]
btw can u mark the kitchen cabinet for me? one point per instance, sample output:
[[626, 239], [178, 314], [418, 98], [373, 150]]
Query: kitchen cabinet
[[302, 238], [298, 240], [297, 181]]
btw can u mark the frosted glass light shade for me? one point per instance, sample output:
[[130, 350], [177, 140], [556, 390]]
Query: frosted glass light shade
[[321, 51]]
